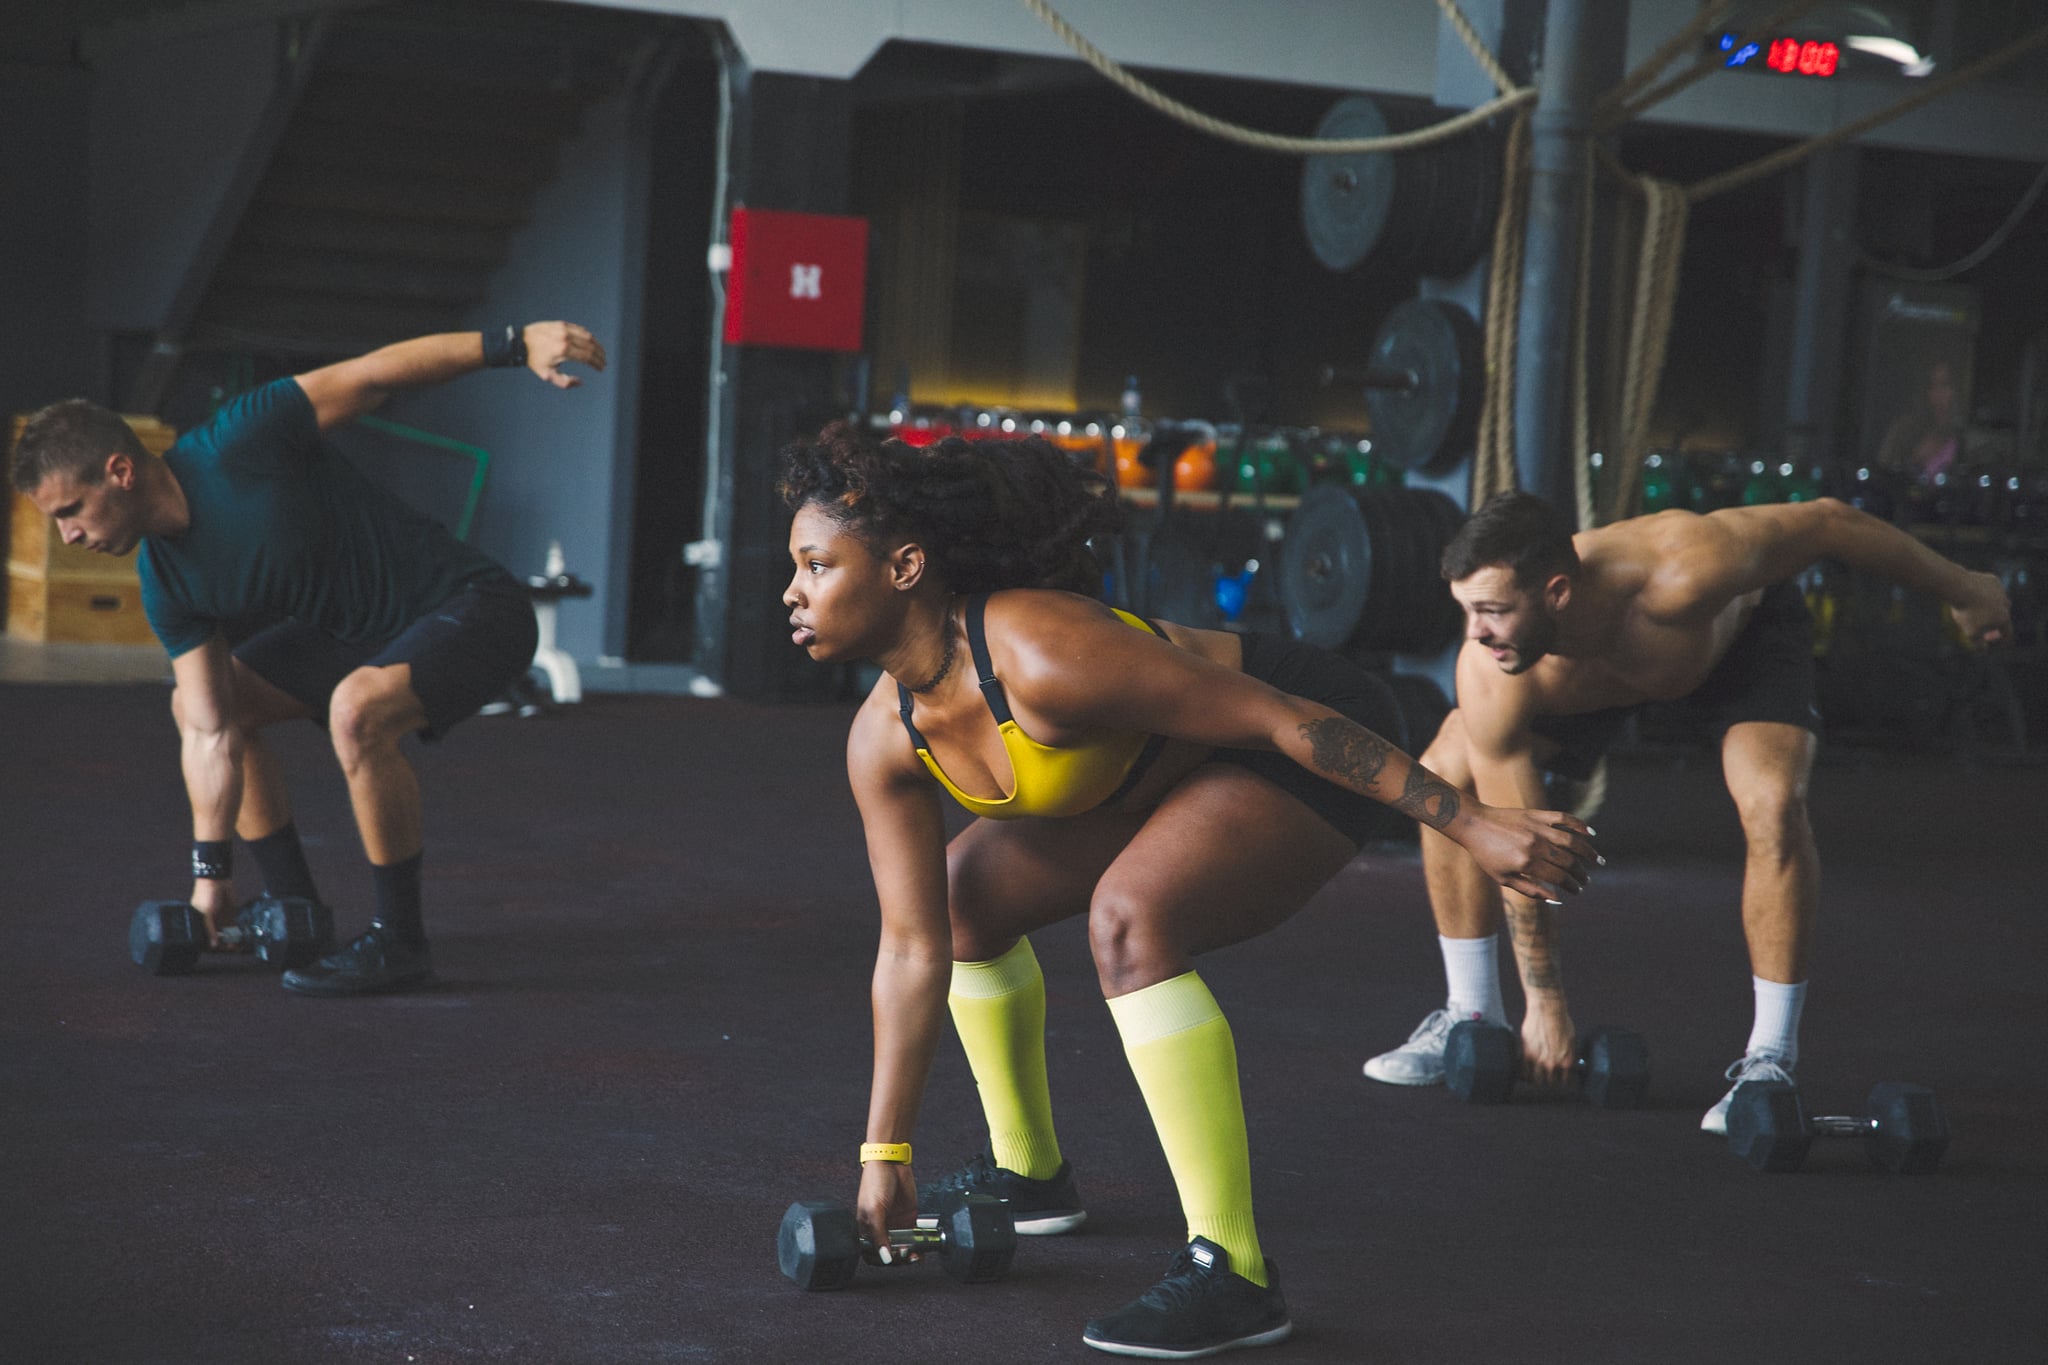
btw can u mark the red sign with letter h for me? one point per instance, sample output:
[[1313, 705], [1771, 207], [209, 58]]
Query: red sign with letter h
[[798, 280]]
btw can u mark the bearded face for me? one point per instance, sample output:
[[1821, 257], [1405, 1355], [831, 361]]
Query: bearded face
[[1514, 624]]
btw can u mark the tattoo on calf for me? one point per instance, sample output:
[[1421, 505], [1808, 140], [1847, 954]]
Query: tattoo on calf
[[1348, 751], [1539, 969]]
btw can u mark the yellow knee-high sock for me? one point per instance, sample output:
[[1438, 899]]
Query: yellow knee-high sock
[[999, 1010], [1181, 1052]]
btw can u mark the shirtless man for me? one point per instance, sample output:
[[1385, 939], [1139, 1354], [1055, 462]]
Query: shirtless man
[[1566, 635]]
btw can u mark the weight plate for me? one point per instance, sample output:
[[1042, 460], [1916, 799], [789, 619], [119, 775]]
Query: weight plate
[[1430, 426], [1325, 567], [1459, 228], [1420, 183], [1346, 199]]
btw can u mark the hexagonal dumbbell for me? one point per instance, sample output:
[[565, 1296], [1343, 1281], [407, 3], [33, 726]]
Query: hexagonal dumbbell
[[165, 938], [1903, 1127], [289, 931], [819, 1245], [1481, 1061]]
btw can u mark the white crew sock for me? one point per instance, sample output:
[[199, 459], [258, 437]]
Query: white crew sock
[[1472, 967], [1776, 1030]]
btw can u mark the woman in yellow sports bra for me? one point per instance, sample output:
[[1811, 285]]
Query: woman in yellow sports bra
[[1182, 788]]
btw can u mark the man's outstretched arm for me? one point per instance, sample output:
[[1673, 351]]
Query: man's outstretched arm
[[1765, 545], [346, 390]]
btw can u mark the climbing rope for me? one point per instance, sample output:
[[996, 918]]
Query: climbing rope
[[1511, 98], [1658, 256], [1476, 45], [1668, 52], [1493, 463]]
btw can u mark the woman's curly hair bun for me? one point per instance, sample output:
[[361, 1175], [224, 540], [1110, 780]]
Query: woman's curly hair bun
[[1016, 513]]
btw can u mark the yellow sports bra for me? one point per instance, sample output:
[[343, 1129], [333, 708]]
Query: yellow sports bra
[[1048, 781]]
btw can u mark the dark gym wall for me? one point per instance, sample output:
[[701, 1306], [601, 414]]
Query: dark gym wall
[[561, 459], [112, 167], [46, 351], [170, 124]]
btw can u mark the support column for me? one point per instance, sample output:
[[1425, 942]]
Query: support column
[[1584, 42], [1820, 306], [791, 150]]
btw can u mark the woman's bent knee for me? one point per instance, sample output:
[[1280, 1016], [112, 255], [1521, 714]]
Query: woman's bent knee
[[1130, 941]]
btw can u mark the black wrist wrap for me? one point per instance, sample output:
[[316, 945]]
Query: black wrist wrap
[[504, 347], [213, 859]]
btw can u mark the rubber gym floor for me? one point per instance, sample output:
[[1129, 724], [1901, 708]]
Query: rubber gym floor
[[653, 928]]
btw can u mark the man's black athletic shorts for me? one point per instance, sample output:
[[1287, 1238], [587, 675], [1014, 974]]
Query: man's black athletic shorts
[[464, 653], [1766, 675]]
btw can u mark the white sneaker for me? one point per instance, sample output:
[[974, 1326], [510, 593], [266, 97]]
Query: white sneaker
[[1420, 1060], [1754, 1066]]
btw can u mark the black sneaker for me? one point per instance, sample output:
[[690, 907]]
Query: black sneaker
[[377, 962], [1039, 1207], [1199, 1309]]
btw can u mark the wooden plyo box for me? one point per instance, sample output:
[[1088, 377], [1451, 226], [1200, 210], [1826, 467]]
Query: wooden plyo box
[[59, 592]]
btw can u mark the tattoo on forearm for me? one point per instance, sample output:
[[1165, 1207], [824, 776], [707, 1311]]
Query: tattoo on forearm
[[1351, 753], [1429, 799], [1345, 749], [1528, 926]]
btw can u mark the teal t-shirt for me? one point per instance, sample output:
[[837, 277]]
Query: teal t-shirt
[[284, 526]]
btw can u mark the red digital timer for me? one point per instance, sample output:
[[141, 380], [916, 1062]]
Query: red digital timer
[[1807, 59], [1792, 56]]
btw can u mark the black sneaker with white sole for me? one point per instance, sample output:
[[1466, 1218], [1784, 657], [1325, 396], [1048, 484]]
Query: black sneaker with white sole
[[1040, 1208], [1201, 1308]]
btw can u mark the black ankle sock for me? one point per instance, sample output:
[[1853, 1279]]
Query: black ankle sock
[[283, 862], [398, 899]]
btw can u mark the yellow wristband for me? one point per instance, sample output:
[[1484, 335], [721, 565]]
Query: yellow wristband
[[898, 1152]]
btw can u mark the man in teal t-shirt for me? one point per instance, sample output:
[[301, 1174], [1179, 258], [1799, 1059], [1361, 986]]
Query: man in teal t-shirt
[[286, 585]]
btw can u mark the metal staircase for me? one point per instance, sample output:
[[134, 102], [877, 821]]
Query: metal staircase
[[406, 152]]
